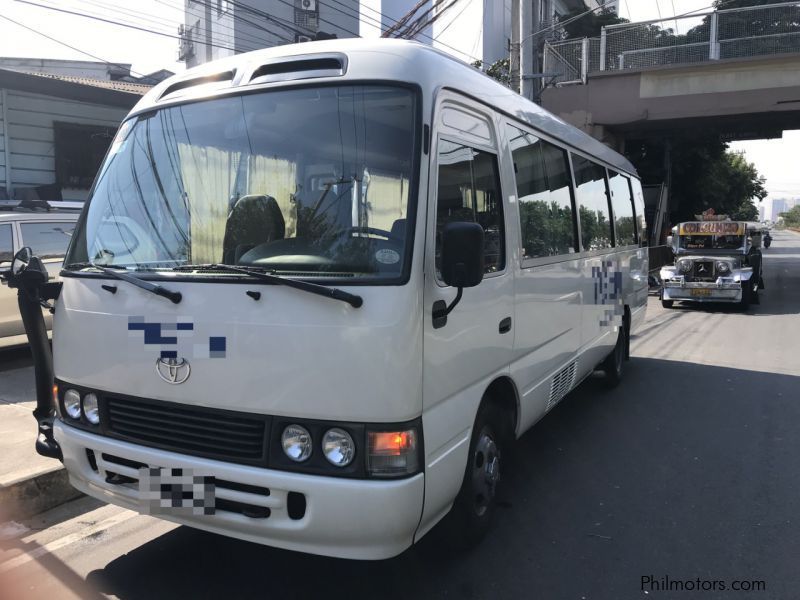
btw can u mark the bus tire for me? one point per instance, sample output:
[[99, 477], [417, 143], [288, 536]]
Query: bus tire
[[476, 502], [614, 364]]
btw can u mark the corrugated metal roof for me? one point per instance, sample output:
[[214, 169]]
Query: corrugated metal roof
[[120, 86]]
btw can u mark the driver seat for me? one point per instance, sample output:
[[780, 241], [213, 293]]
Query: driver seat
[[253, 220]]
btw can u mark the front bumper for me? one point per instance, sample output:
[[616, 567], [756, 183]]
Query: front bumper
[[344, 518], [702, 291]]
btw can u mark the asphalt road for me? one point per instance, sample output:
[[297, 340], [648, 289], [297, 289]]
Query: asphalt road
[[690, 469]]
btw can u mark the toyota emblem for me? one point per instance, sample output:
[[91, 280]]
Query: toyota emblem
[[173, 370]]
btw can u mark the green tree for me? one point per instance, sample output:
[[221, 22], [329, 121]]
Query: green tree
[[705, 174], [589, 25], [791, 218], [498, 70]]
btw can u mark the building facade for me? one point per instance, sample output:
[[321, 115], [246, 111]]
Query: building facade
[[55, 130]]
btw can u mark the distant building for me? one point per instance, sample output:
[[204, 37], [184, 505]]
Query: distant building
[[780, 205]]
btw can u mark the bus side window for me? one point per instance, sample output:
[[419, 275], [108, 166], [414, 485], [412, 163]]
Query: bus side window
[[592, 197], [621, 201], [638, 205], [545, 198], [469, 190]]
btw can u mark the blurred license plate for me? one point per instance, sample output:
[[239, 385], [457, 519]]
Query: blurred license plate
[[175, 492], [701, 292]]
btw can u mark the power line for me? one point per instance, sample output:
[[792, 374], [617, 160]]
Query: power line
[[37, 32], [112, 22]]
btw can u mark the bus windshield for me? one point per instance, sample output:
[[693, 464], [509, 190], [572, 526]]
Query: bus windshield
[[303, 182]]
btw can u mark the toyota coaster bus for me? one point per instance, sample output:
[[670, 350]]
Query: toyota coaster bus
[[318, 290]]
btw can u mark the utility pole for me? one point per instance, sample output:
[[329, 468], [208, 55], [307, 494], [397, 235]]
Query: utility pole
[[513, 63], [526, 58]]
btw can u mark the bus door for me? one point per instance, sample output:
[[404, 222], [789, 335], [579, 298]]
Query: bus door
[[475, 341]]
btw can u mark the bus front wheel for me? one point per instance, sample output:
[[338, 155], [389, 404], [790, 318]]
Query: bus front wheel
[[477, 499]]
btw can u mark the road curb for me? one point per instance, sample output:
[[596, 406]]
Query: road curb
[[35, 493]]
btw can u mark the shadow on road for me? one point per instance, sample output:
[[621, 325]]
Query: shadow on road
[[685, 470]]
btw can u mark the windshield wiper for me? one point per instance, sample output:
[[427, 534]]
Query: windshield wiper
[[259, 273], [114, 271]]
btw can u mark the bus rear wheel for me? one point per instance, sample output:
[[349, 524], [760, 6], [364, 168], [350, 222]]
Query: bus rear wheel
[[477, 499], [614, 364]]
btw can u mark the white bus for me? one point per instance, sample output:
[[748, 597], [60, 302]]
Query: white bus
[[333, 282]]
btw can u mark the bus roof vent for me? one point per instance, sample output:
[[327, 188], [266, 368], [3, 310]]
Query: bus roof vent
[[215, 78], [305, 67]]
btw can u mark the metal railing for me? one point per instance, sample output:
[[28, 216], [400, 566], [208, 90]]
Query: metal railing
[[731, 33]]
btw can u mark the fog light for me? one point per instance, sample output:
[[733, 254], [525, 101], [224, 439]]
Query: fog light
[[90, 409], [392, 453], [338, 447], [296, 442], [72, 404]]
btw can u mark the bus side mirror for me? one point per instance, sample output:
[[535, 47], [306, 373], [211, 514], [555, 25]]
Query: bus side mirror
[[21, 260], [462, 264], [27, 270], [462, 254]]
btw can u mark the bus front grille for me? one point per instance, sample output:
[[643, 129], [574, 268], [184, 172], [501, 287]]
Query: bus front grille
[[191, 430]]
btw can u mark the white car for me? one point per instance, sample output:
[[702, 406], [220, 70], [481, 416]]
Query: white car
[[47, 233]]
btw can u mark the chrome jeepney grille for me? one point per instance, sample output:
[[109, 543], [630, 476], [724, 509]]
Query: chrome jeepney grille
[[703, 270], [189, 429]]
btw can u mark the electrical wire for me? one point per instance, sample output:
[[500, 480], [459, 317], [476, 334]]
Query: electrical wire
[[112, 22], [57, 41]]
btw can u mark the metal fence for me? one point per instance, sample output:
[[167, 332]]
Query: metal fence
[[566, 62], [695, 38]]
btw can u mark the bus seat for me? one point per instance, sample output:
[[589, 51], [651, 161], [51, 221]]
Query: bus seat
[[254, 220]]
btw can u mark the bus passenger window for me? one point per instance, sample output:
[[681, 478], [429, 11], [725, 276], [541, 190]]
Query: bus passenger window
[[593, 204], [545, 198], [621, 201], [469, 190]]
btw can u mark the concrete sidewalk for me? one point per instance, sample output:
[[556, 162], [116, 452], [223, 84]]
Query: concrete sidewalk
[[29, 483]]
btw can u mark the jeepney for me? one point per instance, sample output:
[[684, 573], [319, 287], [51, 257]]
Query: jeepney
[[715, 261]]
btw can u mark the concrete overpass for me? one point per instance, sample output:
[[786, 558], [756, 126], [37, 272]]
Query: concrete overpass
[[733, 71], [741, 98]]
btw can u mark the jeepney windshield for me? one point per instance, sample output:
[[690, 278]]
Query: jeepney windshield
[[302, 182], [693, 243]]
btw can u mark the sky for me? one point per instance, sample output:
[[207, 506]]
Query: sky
[[148, 52]]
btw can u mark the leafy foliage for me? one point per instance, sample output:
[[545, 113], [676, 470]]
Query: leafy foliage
[[705, 174], [498, 70], [791, 218], [589, 25]]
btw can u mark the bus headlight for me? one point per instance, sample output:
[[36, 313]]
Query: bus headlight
[[723, 268], [72, 404], [338, 447], [90, 409], [392, 453], [684, 266], [296, 442]]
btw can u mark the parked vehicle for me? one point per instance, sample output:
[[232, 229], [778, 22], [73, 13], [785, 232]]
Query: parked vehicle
[[341, 282], [715, 261], [47, 231]]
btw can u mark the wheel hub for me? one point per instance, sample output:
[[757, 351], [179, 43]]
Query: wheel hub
[[485, 472]]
